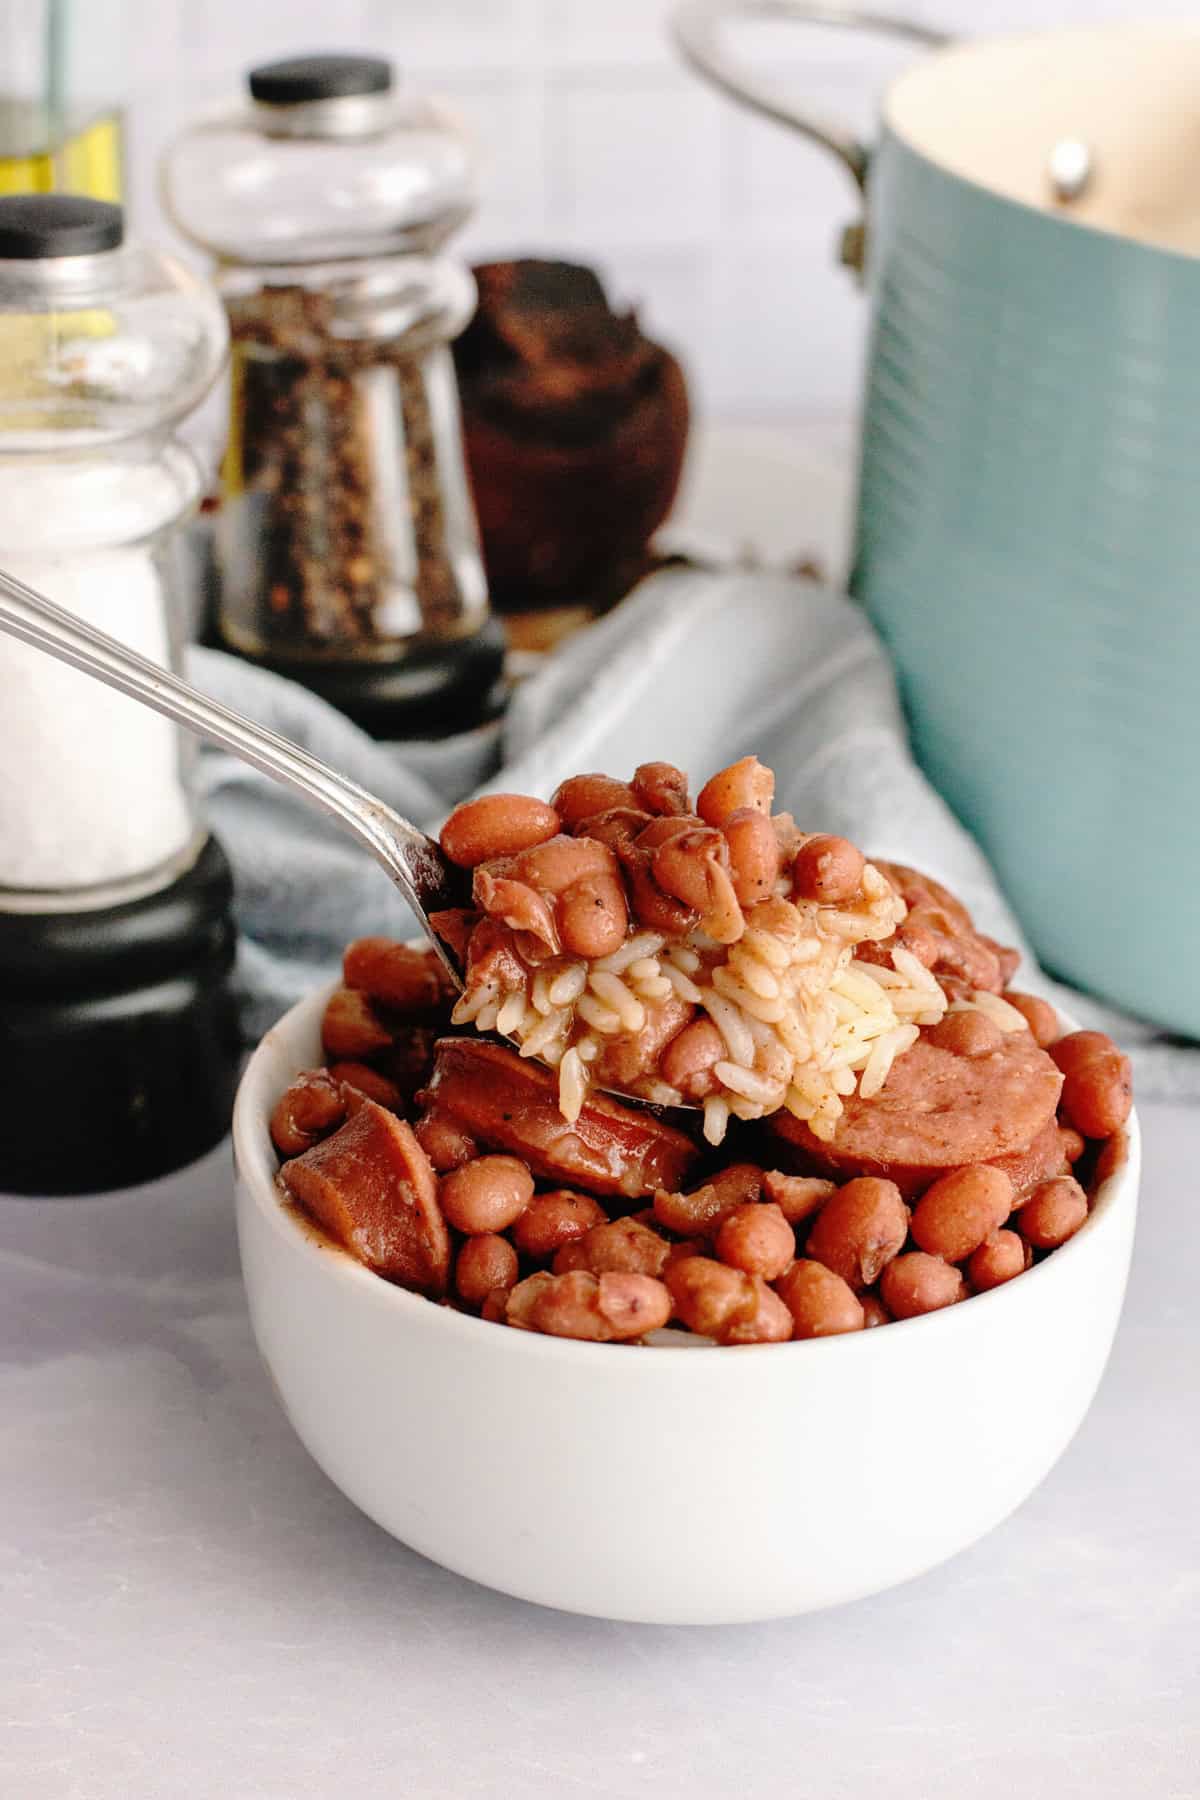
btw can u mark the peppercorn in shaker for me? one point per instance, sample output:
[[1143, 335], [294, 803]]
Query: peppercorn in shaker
[[347, 549], [118, 1036]]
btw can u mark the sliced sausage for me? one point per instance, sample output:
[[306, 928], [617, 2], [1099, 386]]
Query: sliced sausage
[[509, 1104], [373, 1188], [1038, 1162], [936, 1112]]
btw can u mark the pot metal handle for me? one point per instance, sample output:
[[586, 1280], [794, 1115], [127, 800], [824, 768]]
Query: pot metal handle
[[695, 26]]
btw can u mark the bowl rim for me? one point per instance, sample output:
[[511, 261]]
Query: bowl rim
[[255, 1164]]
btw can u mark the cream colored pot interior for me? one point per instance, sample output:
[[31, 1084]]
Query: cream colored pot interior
[[994, 113]]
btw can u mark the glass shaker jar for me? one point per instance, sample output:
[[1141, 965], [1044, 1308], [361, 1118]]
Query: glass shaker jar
[[346, 540], [104, 346], [118, 1033]]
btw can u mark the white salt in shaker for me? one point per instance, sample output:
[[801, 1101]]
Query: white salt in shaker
[[115, 932], [104, 346]]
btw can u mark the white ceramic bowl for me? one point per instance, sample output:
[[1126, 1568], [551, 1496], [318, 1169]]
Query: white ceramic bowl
[[681, 1485]]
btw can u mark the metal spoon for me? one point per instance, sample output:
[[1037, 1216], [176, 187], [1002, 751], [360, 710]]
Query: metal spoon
[[417, 865]]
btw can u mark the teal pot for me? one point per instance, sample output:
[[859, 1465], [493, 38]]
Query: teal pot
[[1028, 522]]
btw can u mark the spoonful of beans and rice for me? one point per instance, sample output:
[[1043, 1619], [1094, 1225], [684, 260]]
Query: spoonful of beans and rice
[[715, 957], [712, 955]]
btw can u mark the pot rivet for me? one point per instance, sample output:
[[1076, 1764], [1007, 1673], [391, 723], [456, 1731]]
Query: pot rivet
[[1070, 168]]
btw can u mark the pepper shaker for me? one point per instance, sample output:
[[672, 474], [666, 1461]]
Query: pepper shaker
[[347, 550]]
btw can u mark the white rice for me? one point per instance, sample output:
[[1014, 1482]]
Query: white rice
[[566, 988], [644, 943], [600, 1018], [683, 984], [732, 1027], [994, 1008], [656, 987], [572, 1086], [611, 991], [803, 1023], [511, 1014], [716, 1118]]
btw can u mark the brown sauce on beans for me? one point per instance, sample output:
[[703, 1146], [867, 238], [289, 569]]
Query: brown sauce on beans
[[445, 1164]]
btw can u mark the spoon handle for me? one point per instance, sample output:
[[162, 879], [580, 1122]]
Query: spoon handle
[[414, 862]]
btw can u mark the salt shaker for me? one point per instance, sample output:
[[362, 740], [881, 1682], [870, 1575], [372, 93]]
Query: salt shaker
[[347, 548], [118, 1044]]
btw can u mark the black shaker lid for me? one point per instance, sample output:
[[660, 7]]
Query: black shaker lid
[[298, 78], [37, 227]]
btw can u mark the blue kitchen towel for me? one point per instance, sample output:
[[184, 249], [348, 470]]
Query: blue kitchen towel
[[695, 668]]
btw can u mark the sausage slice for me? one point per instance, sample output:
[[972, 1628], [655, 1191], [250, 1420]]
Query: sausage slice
[[507, 1103], [937, 1111]]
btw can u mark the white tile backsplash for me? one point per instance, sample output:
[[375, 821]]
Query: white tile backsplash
[[597, 144], [635, 161]]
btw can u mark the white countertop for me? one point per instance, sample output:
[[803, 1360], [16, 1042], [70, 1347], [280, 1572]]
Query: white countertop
[[191, 1609]]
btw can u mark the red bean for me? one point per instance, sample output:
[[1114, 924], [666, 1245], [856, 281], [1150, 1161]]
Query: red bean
[[495, 1305], [743, 784], [874, 1311], [1053, 1213], [683, 865], [859, 1229], [521, 1301], [600, 1308], [821, 1303], [701, 1211], [496, 825], [1071, 1143], [754, 856], [1097, 1083], [917, 1283], [689, 1058], [351, 1028], [397, 975], [661, 788], [518, 906], [1079, 1047], [557, 864], [619, 827], [454, 925], [997, 1260], [486, 1195], [726, 1304], [654, 909], [1112, 1157], [593, 917], [756, 1238], [306, 1112], [682, 1251], [828, 870], [551, 1220], [961, 1210], [370, 1082], [485, 1264], [970, 1033], [662, 830], [1039, 1015], [583, 796], [798, 1197], [618, 1247], [444, 1142]]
